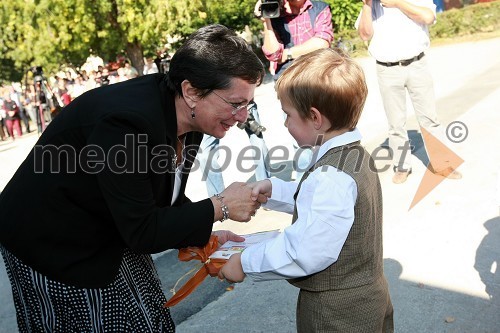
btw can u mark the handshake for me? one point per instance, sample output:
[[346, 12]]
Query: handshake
[[240, 201]]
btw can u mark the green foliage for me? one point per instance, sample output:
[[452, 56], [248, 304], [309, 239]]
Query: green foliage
[[51, 33], [344, 13], [482, 17], [9, 74], [183, 18]]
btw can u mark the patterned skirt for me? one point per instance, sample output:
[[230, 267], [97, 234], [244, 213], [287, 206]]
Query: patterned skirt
[[133, 302]]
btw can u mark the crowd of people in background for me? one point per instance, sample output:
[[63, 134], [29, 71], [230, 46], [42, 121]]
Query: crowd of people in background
[[26, 107]]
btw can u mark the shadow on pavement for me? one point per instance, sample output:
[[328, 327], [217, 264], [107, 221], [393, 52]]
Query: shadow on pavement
[[452, 106], [435, 309], [416, 145], [487, 262]]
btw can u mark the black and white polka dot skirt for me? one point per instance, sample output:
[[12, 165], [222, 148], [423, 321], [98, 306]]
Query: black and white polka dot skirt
[[133, 302]]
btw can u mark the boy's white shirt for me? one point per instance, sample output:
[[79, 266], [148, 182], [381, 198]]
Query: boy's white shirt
[[325, 207]]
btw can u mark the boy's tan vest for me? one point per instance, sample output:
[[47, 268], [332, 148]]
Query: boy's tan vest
[[360, 260]]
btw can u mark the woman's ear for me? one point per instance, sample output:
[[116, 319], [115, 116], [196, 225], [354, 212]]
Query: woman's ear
[[189, 93]]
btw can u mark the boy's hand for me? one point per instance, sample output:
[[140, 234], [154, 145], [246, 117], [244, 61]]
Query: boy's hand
[[232, 270], [261, 190]]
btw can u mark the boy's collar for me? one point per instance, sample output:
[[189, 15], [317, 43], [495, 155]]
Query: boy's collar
[[337, 141]]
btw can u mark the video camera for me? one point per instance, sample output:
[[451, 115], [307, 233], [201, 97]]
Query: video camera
[[251, 124], [104, 80], [164, 65], [37, 73], [271, 8]]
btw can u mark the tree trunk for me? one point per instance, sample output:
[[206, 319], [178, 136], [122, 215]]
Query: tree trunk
[[134, 52]]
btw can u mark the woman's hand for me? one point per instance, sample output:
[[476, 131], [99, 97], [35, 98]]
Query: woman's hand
[[226, 235], [232, 270], [238, 199]]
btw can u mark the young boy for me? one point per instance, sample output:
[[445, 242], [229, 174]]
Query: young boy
[[333, 249]]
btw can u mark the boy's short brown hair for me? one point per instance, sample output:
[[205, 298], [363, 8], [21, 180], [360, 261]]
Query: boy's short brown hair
[[328, 81]]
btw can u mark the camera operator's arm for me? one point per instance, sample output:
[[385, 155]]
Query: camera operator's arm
[[272, 46], [312, 44], [271, 43], [323, 36], [274, 49]]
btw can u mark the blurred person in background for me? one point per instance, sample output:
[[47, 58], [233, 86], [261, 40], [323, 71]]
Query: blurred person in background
[[398, 34], [13, 117]]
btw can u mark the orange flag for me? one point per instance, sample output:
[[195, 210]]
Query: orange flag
[[210, 267]]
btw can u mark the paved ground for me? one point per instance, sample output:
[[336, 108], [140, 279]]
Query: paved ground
[[441, 257]]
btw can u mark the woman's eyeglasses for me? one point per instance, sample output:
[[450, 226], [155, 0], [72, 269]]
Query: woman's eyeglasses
[[236, 106]]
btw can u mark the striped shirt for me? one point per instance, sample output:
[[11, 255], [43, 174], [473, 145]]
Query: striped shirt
[[301, 29]]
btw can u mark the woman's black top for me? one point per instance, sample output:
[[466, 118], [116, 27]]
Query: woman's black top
[[100, 179]]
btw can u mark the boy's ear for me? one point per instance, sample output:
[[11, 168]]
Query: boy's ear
[[190, 93], [317, 118]]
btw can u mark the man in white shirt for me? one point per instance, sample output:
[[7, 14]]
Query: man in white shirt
[[398, 30]]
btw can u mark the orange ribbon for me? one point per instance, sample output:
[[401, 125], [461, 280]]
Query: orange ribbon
[[210, 267]]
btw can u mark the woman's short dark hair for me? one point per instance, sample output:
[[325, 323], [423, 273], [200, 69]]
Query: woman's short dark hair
[[210, 58]]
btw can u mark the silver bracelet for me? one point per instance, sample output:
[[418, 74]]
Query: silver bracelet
[[225, 210]]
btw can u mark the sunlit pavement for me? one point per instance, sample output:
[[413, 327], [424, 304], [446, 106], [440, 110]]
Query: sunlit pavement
[[441, 257]]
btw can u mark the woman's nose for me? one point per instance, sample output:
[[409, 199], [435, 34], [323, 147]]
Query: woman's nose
[[242, 115]]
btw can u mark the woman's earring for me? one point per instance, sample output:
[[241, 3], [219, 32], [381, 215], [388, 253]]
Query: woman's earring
[[192, 112]]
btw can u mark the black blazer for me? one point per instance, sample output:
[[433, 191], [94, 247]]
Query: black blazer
[[100, 180]]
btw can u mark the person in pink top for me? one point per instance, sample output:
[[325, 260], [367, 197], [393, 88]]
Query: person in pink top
[[303, 26]]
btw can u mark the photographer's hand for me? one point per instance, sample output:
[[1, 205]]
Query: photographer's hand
[[257, 10], [389, 3]]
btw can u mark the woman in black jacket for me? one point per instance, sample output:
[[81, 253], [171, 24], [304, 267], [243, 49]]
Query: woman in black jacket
[[106, 183]]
